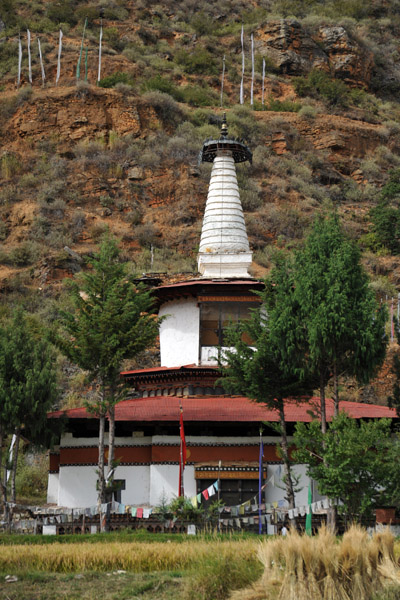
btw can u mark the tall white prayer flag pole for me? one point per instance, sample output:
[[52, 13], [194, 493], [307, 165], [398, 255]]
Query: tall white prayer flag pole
[[19, 60], [241, 83], [263, 80], [59, 57], [41, 62], [100, 39], [252, 71], [222, 79], [29, 55]]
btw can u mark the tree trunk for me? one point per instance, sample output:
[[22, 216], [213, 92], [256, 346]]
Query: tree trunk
[[322, 401], [14, 464], [111, 440], [286, 463], [101, 498], [110, 466], [335, 390], [3, 483]]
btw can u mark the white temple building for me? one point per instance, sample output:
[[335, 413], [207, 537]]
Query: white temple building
[[222, 432]]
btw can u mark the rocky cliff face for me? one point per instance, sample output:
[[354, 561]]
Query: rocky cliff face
[[295, 51]]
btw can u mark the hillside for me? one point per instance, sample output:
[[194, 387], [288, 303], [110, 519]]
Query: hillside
[[79, 158]]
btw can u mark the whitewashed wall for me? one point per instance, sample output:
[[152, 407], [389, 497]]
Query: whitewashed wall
[[137, 484], [77, 487], [275, 489], [52, 488], [164, 481], [179, 333]]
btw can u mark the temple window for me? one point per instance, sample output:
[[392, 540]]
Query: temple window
[[215, 318]]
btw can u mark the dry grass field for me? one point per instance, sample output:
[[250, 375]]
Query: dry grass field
[[355, 567]]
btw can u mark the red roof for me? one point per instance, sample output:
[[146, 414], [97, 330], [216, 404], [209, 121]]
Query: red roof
[[222, 408], [172, 369]]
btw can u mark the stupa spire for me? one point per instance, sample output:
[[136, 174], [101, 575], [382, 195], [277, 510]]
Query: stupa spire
[[224, 246]]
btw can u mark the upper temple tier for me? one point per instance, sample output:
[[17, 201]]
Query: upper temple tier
[[224, 247]]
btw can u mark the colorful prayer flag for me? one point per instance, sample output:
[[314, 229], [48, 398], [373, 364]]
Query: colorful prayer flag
[[139, 513], [205, 494], [211, 490]]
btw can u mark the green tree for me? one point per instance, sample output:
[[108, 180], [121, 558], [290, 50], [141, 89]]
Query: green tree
[[272, 368], [113, 320], [356, 463], [386, 225], [28, 387], [343, 324]]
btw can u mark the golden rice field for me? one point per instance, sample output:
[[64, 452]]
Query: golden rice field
[[136, 556], [356, 567]]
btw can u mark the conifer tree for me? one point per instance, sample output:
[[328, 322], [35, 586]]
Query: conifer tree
[[344, 326], [28, 387], [113, 320], [272, 368]]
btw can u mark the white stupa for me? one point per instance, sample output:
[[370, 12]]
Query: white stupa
[[224, 247]]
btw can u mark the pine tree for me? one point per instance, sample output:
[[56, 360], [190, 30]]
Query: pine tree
[[113, 320], [272, 368], [344, 325], [28, 386]]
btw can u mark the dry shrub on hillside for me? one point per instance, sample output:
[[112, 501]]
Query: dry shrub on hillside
[[322, 568]]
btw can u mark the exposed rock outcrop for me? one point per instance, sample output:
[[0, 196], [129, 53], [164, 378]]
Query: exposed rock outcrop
[[294, 51]]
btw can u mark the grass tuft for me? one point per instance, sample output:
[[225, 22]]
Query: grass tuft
[[321, 568]]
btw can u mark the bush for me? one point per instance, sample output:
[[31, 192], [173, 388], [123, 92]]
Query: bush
[[198, 96], [283, 106], [117, 77], [392, 188], [24, 254], [8, 52], [165, 106], [319, 84], [31, 477], [202, 24], [62, 11], [198, 61], [308, 112], [9, 165], [166, 86]]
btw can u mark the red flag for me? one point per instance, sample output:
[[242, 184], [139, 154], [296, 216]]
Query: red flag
[[182, 454], [183, 441]]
